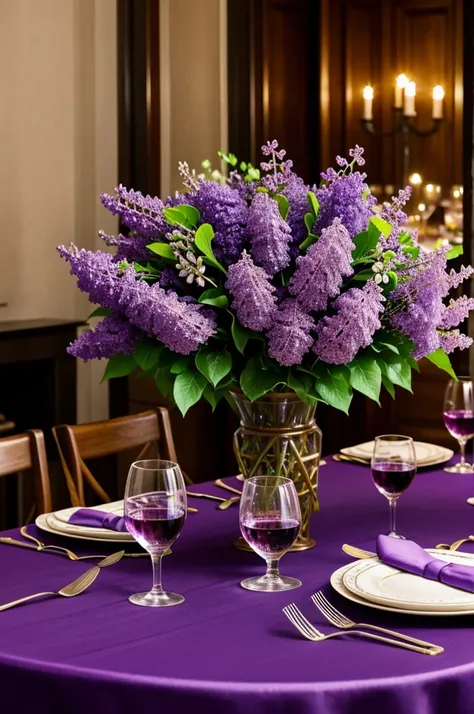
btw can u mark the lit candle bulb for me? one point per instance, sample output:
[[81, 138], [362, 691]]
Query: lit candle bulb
[[368, 95], [438, 96], [410, 94], [401, 82]]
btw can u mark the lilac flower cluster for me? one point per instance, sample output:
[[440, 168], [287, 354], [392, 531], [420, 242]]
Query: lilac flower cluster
[[347, 198], [269, 234], [289, 338], [142, 214], [112, 336], [254, 301], [456, 312]]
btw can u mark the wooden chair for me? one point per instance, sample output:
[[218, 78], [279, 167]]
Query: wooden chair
[[25, 452], [105, 438]]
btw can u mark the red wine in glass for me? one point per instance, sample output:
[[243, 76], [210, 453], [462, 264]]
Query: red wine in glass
[[153, 523], [460, 423], [458, 415], [393, 478], [270, 536]]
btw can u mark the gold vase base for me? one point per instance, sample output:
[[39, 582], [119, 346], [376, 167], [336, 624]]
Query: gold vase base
[[303, 544]]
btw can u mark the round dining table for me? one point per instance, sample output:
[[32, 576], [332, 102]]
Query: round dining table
[[226, 650]]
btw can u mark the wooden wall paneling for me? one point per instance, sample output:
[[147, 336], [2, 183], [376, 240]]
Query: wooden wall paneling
[[332, 78]]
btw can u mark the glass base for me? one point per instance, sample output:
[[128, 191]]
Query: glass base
[[265, 583], [460, 469], [396, 535], [151, 599]]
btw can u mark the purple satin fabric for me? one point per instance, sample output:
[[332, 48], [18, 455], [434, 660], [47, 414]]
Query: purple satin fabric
[[410, 557], [226, 650], [94, 518]]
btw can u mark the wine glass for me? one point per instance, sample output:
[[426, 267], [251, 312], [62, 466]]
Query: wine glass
[[270, 520], [458, 415], [155, 511], [393, 469]]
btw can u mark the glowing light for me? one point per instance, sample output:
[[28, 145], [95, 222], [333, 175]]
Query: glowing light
[[415, 179], [368, 92], [438, 92], [402, 81]]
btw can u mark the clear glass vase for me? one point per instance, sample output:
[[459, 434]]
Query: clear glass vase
[[278, 436]]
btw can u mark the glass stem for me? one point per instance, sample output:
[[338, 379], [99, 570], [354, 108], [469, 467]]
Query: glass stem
[[272, 569], [393, 512], [462, 444], [157, 588]]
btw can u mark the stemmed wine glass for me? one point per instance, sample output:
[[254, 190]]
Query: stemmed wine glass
[[458, 415], [155, 511], [393, 469], [270, 520]]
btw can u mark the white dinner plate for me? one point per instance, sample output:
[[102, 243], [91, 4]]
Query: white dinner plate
[[376, 582], [426, 454], [58, 523], [337, 583]]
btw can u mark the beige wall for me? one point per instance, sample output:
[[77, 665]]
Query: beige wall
[[193, 78], [58, 142]]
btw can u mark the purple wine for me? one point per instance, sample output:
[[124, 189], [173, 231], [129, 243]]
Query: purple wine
[[460, 423], [154, 521], [392, 478], [270, 536]]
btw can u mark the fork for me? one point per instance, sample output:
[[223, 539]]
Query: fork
[[336, 618], [59, 549], [308, 631]]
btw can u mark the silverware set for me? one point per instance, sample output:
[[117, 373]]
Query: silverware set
[[349, 627], [224, 503]]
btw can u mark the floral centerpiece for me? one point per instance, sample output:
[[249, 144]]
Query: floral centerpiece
[[258, 284]]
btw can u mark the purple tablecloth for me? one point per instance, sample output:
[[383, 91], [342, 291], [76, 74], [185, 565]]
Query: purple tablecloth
[[227, 650]]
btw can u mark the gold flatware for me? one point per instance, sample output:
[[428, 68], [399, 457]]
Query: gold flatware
[[457, 543], [357, 552], [336, 618], [228, 502], [206, 495], [59, 549], [240, 477], [308, 631], [111, 559], [351, 459], [221, 484], [75, 588]]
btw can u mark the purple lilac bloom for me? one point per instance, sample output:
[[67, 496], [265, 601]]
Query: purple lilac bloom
[[132, 248], [289, 337], [357, 154], [454, 340], [112, 336], [169, 279], [456, 279], [396, 217], [341, 336], [296, 192], [269, 234], [319, 273], [254, 301], [142, 214], [97, 274], [456, 312], [347, 198], [226, 210]]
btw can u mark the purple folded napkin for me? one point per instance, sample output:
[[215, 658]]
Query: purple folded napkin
[[93, 518], [409, 556]]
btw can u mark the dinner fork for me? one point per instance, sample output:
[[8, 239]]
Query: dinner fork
[[308, 631], [336, 618], [59, 549]]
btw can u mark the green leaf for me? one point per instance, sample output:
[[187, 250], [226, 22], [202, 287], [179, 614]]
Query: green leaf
[[186, 216], [188, 389], [366, 376], [413, 250], [213, 365], [214, 396], [256, 381], [164, 380], [364, 275], [397, 369], [240, 334], [388, 386], [455, 252], [381, 225], [441, 360], [100, 312], [163, 249], [180, 365], [366, 241], [413, 363], [283, 205], [334, 386], [311, 238], [202, 240], [301, 386], [313, 203], [119, 366], [147, 355], [214, 296], [405, 238], [309, 221]]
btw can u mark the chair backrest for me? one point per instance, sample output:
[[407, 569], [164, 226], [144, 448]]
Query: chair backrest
[[27, 452], [104, 438]]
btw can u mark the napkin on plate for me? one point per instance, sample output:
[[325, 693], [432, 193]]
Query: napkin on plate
[[94, 518], [410, 557]]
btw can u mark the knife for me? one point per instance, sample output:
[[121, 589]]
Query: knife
[[12, 541]]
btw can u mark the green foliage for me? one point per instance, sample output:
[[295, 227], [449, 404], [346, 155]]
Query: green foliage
[[188, 389], [333, 385], [163, 249], [119, 366], [213, 365], [441, 360], [185, 216], [396, 369], [100, 312], [283, 205], [255, 380], [202, 240], [383, 226], [309, 221], [240, 334], [454, 252], [366, 376], [147, 355], [313, 203], [214, 296]]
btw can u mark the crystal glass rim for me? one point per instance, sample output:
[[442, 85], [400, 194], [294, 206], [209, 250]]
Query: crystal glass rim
[[462, 378], [257, 479], [394, 437], [159, 465]]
